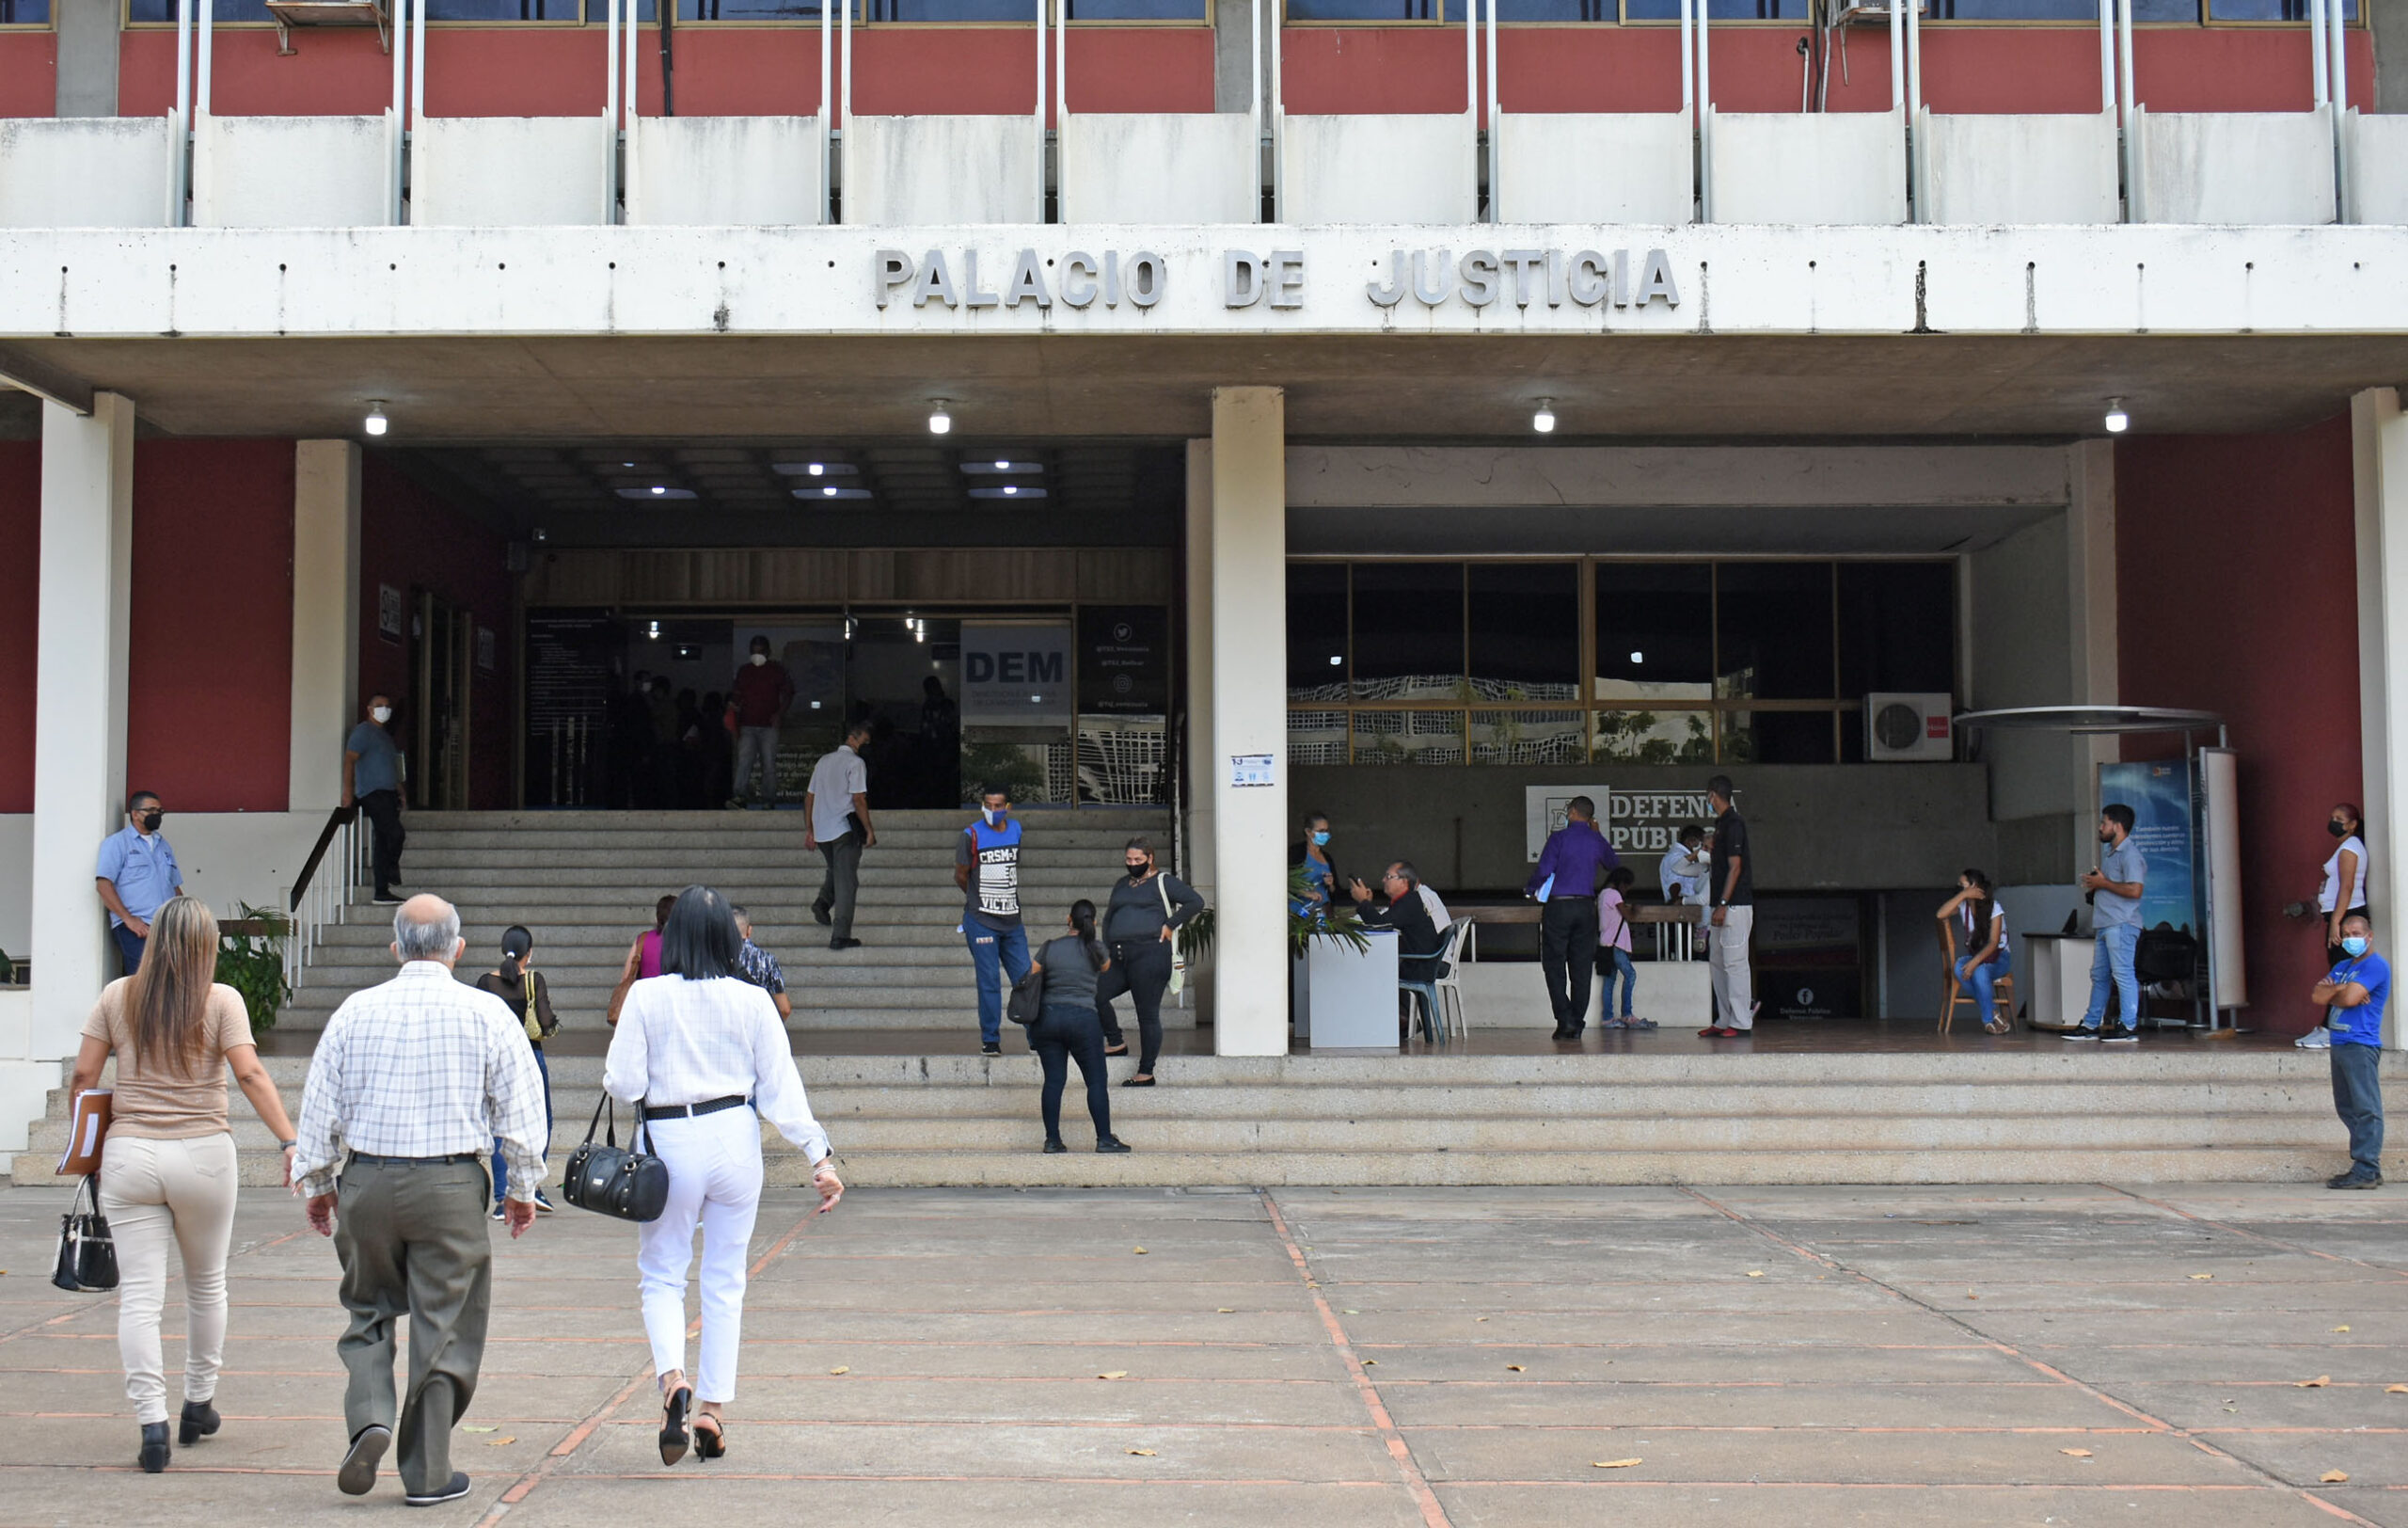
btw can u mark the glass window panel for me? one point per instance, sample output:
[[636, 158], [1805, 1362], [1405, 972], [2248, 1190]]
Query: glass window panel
[[2269, 10], [502, 11], [1316, 737], [1897, 627], [24, 12], [747, 10], [1777, 738], [1664, 736], [1524, 631], [1547, 10], [1137, 10], [1317, 631], [1528, 738], [1655, 631], [1773, 631], [1408, 737], [1725, 10], [1408, 630], [1361, 11], [222, 12], [1121, 761], [2058, 10], [953, 10]]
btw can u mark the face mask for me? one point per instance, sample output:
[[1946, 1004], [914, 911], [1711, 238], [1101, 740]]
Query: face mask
[[382, 714], [2354, 945], [2339, 830], [1138, 867], [151, 819], [760, 659], [1321, 839], [993, 814]]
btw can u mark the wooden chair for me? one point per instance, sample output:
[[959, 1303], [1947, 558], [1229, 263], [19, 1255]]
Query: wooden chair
[[1951, 991]]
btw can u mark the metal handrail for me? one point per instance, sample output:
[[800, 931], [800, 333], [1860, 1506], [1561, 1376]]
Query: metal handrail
[[317, 901]]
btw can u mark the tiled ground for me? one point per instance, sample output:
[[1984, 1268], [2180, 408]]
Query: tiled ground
[[1339, 1357]]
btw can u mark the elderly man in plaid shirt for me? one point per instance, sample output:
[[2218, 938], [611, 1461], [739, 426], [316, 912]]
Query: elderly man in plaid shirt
[[758, 965], [416, 1080]]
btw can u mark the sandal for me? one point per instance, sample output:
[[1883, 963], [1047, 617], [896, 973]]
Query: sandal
[[674, 1434], [709, 1443]]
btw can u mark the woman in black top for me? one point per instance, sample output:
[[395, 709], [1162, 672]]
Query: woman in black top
[[520, 987], [1146, 910], [1066, 1027]]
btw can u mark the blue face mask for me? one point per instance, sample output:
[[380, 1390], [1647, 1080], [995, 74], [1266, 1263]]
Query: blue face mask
[[2354, 945], [993, 814], [1321, 839]]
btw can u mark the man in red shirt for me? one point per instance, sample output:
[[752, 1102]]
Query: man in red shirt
[[759, 698]]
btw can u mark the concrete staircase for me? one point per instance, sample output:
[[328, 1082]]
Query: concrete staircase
[[1582, 1119], [584, 885]]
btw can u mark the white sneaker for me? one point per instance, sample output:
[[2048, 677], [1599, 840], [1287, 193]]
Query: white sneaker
[[2319, 1038]]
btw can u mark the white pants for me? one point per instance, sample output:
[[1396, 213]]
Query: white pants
[[154, 1193], [714, 1179], [1735, 985]]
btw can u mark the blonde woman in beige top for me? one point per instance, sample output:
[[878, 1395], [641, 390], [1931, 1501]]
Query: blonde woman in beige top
[[167, 1166]]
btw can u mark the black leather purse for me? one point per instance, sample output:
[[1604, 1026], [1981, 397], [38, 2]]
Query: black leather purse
[[1027, 1002], [86, 1251], [626, 1185]]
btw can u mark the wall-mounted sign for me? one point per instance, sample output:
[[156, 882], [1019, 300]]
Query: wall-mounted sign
[[1124, 660], [1015, 674], [488, 659], [389, 612], [1248, 772], [1543, 812], [1650, 821]]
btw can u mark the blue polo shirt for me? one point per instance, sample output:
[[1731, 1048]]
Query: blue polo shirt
[[2126, 864], [2363, 1025], [379, 767], [143, 869]]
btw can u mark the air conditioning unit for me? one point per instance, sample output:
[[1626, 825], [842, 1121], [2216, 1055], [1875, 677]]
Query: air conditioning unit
[[1905, 725]]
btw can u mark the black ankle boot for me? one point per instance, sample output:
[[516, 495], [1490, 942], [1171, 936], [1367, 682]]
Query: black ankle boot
[[199, 1421], [154, 1448]]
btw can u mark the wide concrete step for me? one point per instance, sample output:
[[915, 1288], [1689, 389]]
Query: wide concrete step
[[637, 883], [621, 913], [1125, 819], [703, 844]]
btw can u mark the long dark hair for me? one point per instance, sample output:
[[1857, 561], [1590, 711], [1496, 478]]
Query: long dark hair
[[1982, 909], [516, 945], [1082, 924], [700, 941], [166, 999]]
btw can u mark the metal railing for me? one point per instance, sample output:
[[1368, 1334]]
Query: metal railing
[[321, 895]]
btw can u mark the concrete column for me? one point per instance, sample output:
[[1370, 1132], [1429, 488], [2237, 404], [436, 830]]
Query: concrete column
[[79, 705], [2379, 443], [1202, 852], [87, 54], [1233, 52], [1248, 645], [325, 618], [2090, 572]]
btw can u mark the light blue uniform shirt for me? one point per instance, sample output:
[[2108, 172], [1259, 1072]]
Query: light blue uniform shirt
[[2125, 863], [143, 869], [379, 766]]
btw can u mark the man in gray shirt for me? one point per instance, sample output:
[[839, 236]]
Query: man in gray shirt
[[2114, 890], [372, 780]]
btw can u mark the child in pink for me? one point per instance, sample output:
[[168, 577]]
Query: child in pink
[[1613, 945]]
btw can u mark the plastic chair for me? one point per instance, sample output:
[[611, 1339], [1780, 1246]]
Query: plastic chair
[[1434, 1004]]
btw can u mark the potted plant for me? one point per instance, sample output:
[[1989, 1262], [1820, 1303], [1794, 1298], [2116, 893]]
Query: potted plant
[[250, 959]]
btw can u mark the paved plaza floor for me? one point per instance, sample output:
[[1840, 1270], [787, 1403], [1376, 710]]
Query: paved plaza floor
[[1481, 1358]]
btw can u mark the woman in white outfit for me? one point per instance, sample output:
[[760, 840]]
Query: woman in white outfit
[[706, 1053], [2341, 893]]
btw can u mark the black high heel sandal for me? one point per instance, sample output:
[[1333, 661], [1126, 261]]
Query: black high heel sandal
[[675, 1435], [709, 1443]]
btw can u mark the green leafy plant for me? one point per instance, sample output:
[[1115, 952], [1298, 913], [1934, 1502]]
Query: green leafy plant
[[7, 969], [253, 962], [1336, 920], [1195, 938]]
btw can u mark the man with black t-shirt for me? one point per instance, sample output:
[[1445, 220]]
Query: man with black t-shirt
[[1731, 893]]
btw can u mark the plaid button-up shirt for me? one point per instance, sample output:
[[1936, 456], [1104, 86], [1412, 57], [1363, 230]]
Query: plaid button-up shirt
[[760, 968], [421, 1066]]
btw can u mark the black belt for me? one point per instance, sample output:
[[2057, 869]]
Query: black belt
[[374, 1159], [686, 1111], [1572, 897]]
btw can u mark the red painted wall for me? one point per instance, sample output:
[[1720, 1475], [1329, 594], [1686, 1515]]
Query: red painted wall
[[20, 614], [412, 540], [209, 713], [2256, 533], [28, 73]]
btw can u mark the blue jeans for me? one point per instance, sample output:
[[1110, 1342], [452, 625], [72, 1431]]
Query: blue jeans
[[1002, 957], [2357, 1098], [1620, 966], [500, 1168], [2111, 962], [1978, 979], [129, 948]]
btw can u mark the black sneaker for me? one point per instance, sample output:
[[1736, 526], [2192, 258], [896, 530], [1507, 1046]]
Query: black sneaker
[[2355, 1179], [1112, 1146], [1053, 1146], [843, 944], [990, 1048], [387, 899], [357, 1476], [452, 1491], [2119, 1036], [496, 1209], [2080, 1032]]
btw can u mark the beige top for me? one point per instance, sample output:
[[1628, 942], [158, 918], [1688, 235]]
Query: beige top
[[167, 1104]]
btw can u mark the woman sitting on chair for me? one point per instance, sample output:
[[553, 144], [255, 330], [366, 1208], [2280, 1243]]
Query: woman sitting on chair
[[1987, 955]]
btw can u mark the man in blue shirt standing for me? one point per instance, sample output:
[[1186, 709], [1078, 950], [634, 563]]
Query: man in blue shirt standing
[[2114, 890], [986, 866], [1571, 868], [2352, 996], [137, 872], [372, 780]]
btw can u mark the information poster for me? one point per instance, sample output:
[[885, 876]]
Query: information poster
[[1124, 660], [1015, 674], [2166, 829], [1543, 812]]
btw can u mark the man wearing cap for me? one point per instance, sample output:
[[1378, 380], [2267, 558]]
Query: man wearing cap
[[1731, 894]]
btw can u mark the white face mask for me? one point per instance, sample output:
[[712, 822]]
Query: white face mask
[[760, 659], [383, 714], [993, 814]]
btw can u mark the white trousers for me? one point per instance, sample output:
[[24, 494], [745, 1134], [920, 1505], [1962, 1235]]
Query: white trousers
[[714, 1181], [1735, 985], [155, 1192]]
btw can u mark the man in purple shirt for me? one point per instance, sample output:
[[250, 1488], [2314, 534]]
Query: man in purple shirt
[[1571, 868]]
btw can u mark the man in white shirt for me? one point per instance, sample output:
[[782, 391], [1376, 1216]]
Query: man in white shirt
[[835, 805], [1685, 868], [1438, 918], [416, 1080]]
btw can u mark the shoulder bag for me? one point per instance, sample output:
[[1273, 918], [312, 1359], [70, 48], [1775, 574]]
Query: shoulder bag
[[1027, 1002], [626, 1185], [1177, 956], [86, 1251]]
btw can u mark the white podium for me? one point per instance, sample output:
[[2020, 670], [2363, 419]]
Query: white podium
[[2059, 966], [1346, 999]]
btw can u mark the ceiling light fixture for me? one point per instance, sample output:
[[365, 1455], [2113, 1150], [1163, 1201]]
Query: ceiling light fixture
[[2118, 421], [939, 422], [1639, 658], [376, 416], [1544, 420], [818, 469]]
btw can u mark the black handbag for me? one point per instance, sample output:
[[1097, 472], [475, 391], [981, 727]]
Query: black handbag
[[86, 1251], [626, 1185], [1028, 998]]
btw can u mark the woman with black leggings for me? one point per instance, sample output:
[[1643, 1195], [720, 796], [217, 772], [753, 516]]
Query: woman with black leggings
[[1066, 1027], [1148, 908]]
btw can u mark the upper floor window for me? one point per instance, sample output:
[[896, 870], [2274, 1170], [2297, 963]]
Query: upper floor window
[[24, 12]]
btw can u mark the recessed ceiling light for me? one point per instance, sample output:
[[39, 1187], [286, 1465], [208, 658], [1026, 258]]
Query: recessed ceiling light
[[1544, 420], [1639, 658], [656, 493], [817, 470], [1009, 490], [2118, 421], [828, 490], [1003, 465], [376, 422], [939, 422]]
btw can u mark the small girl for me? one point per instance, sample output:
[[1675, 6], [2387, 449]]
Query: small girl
[[1613, 944]]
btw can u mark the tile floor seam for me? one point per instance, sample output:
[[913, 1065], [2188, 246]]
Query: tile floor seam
[[1434, 1514], [2258, 1235], [35, 1328], [2187, 1435]]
